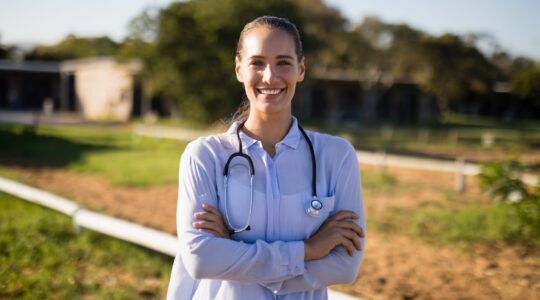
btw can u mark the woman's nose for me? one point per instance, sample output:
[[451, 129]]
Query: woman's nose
[[268, 74]]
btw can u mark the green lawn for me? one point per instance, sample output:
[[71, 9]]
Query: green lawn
[[123, 159], [455, 135], [498, 223], [113, 153], [41, 258], [444, 140]]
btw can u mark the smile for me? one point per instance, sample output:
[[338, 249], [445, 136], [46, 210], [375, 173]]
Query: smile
[[270, 91]]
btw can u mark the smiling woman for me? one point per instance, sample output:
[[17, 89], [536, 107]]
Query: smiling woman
[[267, 210]]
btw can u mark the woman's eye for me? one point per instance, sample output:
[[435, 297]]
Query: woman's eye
[[256, 63]]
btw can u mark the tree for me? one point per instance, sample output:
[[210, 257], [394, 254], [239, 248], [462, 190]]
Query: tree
[[188, 49], [4, 52], [454, 71], [323, 30], [526, 85], [192, 62], [445, 66], [75, 47]]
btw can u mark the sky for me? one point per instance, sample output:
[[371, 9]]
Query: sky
[[514, 24]]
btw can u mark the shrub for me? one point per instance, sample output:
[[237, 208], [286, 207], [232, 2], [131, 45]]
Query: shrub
[[512, 217]]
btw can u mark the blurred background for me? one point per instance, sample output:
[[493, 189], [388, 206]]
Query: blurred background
[[441, 99]]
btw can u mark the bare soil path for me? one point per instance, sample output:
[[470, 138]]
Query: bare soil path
[[395, 266]]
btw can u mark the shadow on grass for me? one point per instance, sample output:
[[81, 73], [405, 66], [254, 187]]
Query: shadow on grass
[[23, 146]]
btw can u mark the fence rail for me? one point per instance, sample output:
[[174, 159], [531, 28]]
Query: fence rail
[[121, 229], [459, 167]]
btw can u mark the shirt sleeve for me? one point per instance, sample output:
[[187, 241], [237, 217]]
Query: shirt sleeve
[[206, 256], [337, 267]]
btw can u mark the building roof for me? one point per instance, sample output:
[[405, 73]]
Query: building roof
[[29, 66], [133, 66]]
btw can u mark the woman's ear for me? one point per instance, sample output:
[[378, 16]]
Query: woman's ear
[[237, 70], [301, 69]]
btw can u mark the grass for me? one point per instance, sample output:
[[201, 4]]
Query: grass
[[455, 119], [449, 217], [176, 122], [113, 153], [499, 223], [454, 135], [447, 140], [41, 258], [378, 182], [123, 159]]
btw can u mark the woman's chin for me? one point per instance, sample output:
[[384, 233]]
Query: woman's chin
[[272, 107]]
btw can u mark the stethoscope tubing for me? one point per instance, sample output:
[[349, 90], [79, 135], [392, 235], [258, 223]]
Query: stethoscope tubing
[[313, 207]]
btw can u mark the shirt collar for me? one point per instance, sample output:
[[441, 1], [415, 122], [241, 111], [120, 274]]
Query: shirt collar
[[291, 139], [247, 141], [293, 136]]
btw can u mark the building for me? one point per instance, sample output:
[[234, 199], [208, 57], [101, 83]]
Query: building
[[99, 88], [338, 96]]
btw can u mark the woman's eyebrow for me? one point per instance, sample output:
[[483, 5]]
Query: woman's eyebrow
[[284, 57]]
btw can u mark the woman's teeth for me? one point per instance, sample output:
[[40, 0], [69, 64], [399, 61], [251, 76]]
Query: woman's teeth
[[269, 91]]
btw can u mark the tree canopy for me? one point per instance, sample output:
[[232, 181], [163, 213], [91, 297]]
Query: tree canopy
[[188, 48], [526, 85], [75, 47], [192, 57]]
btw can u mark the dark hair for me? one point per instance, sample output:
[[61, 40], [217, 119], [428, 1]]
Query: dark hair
[[284, 24], [272, 22]]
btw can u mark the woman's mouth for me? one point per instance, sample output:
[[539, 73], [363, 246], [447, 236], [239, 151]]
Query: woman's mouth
[[270, 92]]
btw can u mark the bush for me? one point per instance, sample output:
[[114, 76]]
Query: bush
[[502, 180], [512, 217]]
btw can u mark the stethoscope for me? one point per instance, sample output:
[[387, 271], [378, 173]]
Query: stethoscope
[[312, 208]]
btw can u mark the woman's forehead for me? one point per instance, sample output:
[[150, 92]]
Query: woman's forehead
[[265, 41]]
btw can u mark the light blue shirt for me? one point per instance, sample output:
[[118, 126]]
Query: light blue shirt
[[266, 262]]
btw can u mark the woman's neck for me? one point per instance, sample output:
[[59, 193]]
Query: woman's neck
[[268, 129]]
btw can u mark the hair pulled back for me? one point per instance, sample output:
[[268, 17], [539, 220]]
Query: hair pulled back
[[271, 22], [284, 24]]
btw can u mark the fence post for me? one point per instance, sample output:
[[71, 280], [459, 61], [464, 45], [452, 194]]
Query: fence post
[[461, 179], [423, 135], [76, 227], [453, 137], [382, 162], [488, 139]]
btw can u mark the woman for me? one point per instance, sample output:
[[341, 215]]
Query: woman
[[295, 226]]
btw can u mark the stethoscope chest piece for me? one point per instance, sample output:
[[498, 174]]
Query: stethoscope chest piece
[[314, 207]]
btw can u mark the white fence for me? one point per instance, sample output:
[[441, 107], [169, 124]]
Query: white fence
[[120, 229], [460, 168]]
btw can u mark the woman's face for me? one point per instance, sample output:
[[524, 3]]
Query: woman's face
[[269, 69]]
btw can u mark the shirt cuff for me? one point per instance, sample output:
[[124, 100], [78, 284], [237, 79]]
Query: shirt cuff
[[296, 258], [296, 265]]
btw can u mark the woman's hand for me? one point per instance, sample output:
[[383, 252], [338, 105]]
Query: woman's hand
[[211, 221], [338, 230]]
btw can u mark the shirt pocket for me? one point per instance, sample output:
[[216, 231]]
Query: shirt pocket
[[296, 224]]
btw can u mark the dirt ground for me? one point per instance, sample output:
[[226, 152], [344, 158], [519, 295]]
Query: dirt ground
[[395, 266]]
